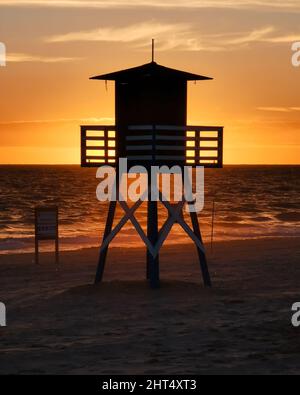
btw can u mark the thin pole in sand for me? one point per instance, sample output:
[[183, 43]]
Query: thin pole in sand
[[213, 224]]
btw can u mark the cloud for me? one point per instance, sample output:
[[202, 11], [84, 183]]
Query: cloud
[[289, 5], [279, 109], [132, 33], [250, 37], [263, 35], [224, 42], [172, 36], [61, 120], [22, 57], [291, 38]]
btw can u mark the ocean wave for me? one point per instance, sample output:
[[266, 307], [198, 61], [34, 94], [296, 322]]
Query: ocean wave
[[249, 202], [289, 217]]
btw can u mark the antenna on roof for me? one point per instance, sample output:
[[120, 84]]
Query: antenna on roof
[[153, 49]]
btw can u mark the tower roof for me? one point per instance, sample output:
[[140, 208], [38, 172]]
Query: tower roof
[[150, 70]]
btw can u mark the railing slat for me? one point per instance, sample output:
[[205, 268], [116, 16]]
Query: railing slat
[[160, 150]]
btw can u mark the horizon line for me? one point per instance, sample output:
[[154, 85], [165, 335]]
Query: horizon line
[[78, 164]]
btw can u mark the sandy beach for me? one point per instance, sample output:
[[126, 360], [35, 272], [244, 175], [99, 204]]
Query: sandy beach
[[58, 323]]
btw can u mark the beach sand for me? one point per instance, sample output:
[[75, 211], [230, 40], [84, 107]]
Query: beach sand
[[58, 323]]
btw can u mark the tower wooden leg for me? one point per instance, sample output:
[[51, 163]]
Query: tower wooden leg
[[37, 251], [103, 254], [148, 266], [201, 254], [149, 257], [153, 263]]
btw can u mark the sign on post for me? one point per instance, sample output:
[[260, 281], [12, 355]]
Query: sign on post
[[46, 228]]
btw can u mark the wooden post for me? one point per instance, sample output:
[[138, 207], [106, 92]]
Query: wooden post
[[103, 254], [37, 251], [197, 232], [213, 225], [83, 146], [152, 233], [57, 251], [57, 240], [148, 257], [220, 147], [36, 239], [46, 228], [201, 254], [148, 265]]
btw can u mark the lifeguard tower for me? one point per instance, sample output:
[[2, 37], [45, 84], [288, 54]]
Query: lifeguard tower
[[151, 130]]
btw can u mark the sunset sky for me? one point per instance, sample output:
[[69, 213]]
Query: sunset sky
[[54, 46]]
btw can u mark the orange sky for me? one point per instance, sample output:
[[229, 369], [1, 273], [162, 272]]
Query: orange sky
[[55, 46]]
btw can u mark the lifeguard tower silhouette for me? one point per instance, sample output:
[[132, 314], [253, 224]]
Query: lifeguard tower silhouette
[[151, 130]]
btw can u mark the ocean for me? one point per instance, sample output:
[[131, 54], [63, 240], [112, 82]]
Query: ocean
[[250, 202]]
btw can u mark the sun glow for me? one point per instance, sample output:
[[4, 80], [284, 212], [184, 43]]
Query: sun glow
[[46, 93]]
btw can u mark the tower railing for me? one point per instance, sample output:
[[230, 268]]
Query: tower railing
[[98, 145], [185, 145]]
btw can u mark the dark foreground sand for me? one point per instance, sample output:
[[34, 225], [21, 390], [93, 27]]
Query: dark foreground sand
[[59, 323]]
